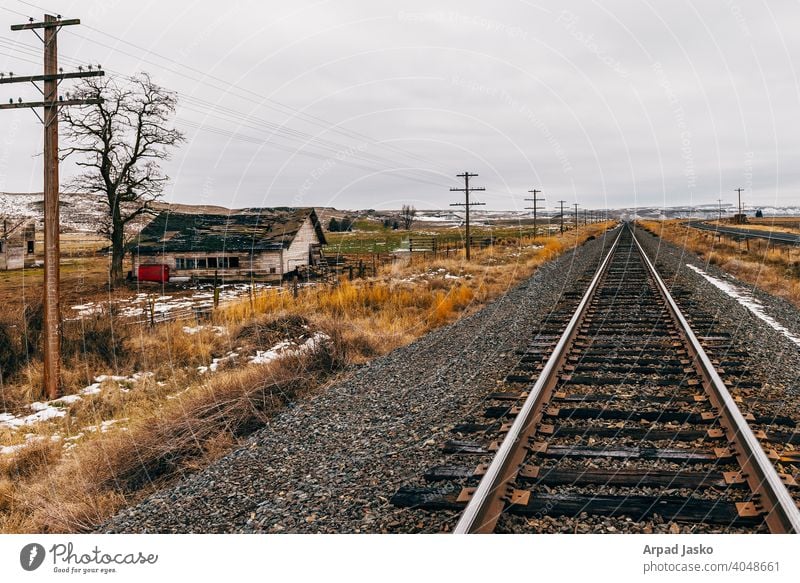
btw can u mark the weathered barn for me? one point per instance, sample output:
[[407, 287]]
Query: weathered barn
[[252, 244], [17, 244]]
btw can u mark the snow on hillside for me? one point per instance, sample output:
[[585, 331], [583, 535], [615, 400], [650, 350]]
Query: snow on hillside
[[79, 212]]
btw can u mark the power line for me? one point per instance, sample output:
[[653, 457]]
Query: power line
[[272, 104], [263, 100], [341, 151], [257, 141], [418, 175]]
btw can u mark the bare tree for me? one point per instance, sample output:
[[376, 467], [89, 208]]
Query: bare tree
[[120, 143], [407, 215]]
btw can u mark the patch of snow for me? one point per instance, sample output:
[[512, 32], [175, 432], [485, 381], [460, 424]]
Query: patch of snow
[[104, 377], [216, 362], [748, 301], [44, 412], [265, 356], [68, 399], [92, 389]]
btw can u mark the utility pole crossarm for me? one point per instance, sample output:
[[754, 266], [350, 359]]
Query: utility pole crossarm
[[58, 23], [56, 77], [59, 103]]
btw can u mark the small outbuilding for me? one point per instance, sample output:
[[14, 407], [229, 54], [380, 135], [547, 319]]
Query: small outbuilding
[[17, 244], [262, 244]]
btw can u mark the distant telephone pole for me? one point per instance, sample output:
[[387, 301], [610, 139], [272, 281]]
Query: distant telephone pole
[[739, 190], [534, 200], [720, 210], [50, 103], [576, 214], [467, 204], [561, 202]]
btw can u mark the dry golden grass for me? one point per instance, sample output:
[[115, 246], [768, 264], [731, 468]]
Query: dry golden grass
[[178, 421], [773, 269]]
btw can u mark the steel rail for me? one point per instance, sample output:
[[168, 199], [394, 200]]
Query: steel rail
[[486, 504], [782, 515]]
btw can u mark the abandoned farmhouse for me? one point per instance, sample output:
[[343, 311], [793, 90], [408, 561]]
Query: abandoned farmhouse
[[262, 244], [17, 244]]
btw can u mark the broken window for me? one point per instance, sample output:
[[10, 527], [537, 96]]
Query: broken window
[[212, 262], [30, 246]]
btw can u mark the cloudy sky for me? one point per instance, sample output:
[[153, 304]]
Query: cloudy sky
[[373, 104]]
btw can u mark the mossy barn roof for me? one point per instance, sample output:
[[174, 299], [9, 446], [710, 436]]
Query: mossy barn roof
[[246, 230]]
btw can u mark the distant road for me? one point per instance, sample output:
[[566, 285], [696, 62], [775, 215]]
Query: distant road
[[788, 238]]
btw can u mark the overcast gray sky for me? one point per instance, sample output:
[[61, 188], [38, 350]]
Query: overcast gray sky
[[372, 104]]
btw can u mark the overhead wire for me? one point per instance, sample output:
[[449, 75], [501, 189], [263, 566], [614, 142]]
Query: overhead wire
[[233, 88]]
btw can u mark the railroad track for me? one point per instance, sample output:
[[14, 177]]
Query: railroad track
[[617, 408], [745, 233]]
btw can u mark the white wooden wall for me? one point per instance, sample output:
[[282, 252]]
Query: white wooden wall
[[297, 253]]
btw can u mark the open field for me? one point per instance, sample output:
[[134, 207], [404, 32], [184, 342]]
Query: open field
[[149, 404], [773, 268], [371, 237]]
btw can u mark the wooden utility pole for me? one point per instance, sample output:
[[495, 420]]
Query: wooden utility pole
[[467, 204], [719, 220], [576, 214], [534, 200], [50, 103], [739, 190], [561, 202]]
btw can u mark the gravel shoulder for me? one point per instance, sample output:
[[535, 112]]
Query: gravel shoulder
[[331, 462]]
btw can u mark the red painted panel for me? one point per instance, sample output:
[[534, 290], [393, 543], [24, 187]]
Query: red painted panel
[[158, 273]]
